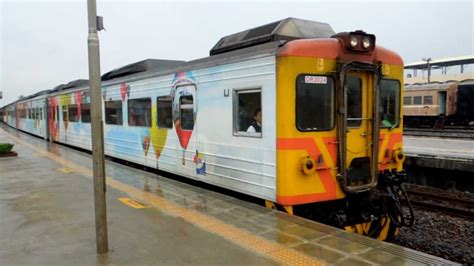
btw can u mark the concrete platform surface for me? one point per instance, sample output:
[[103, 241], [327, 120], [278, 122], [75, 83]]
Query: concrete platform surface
[[440, 147], [47, 218], [440, 153]]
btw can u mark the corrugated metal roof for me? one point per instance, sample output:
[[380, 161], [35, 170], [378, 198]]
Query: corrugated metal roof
[[450, 61]]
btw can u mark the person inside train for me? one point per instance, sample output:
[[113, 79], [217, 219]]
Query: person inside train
[[256, 125]]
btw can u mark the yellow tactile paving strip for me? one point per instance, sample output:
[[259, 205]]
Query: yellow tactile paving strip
[[259, 245]]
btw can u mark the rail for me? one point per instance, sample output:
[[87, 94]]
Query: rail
[[445, 204]]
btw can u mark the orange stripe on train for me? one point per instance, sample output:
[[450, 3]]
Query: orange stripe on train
[[329, 183]]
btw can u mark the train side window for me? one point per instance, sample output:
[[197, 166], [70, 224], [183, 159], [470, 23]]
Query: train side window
[[139, 112], [165, 112], [427, 100], [186, 105], [417, 100], [56, 117], [247, 105], [64, 107], [73, 116], [390, 102], [314, 103], [41, 113], [113, 113], [407, 100], [86, 113]]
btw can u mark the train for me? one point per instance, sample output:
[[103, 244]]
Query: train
[[306, 120], [436, 105]]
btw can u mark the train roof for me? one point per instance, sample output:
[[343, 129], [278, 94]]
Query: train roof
[[262, 40], [71, 85], [430, 86], [467, 82], [142, 67], [281, 30], [252, 43]]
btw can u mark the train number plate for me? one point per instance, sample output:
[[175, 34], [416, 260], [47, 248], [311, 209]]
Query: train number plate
[[315, 79]]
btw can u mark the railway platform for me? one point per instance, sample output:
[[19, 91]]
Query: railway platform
[[46, 202], [441, 153]]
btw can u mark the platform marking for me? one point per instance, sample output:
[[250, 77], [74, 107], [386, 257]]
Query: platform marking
[[66, 170], [132, 203], [271, 249]]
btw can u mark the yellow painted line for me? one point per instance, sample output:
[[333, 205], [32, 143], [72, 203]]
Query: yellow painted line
[[132, 203], [271, 249], [66, 170]]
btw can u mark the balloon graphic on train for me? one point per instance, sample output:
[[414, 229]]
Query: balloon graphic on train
[[183, 92]]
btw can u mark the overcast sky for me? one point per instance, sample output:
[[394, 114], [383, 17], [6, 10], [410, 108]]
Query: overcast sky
[[44, 43]]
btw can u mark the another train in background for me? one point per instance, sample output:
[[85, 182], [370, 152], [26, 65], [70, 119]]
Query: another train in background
[[436, 105]]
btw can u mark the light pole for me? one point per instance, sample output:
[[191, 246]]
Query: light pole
[[428, 66], [97, 130]]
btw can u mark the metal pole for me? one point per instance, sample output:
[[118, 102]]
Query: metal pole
[[97, 132], [429, 69]]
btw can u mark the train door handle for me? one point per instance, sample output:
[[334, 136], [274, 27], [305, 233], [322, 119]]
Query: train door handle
[[363, 134]]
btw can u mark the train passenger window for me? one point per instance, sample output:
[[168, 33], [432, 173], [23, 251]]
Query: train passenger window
[[86, 113], [73, 115], [186, 112], [247, 105], [64, 107], [165, 112], [354, 101], [417, 100], [56, 117], [427, 100], [407, 100], [314, 103], [113, 113], [139, 112], [390, 102]]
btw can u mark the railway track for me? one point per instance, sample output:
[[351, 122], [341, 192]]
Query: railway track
[[441, 203], [441, 133]]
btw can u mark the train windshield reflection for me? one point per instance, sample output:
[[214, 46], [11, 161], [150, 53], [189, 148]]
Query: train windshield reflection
[[389, 103]]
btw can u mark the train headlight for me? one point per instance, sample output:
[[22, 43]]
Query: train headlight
[[354, 41], [366, 42]]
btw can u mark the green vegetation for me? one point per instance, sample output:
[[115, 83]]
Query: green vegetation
[[5, 148]]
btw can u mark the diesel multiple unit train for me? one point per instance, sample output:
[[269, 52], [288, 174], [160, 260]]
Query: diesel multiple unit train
[[439, 104], [290, 112]]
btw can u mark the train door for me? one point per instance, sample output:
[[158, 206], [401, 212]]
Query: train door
[[358, 126], [359, 117], [442, 102], [184, 117]]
